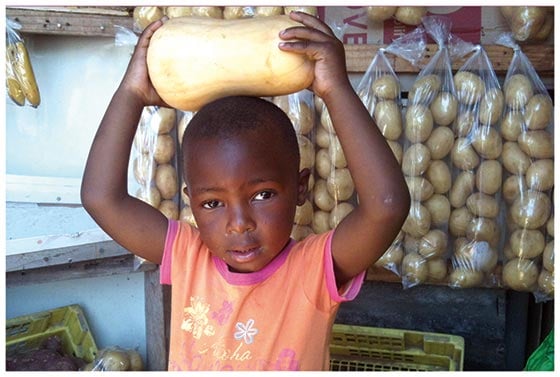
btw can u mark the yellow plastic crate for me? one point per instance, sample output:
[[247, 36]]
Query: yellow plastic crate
[[68, 322], [361, 348]]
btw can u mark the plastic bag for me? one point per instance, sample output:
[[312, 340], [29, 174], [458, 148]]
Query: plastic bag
[[300, 108], [430, 114], [115, 359], [528, 160], [529, 23], [185, 214], [21, 84], [542, 359], [380, 91], [475, 195]]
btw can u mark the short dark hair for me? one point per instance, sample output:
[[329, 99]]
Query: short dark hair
[[235, 115]]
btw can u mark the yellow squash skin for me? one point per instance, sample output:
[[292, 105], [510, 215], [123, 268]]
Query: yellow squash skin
[[193, 61]]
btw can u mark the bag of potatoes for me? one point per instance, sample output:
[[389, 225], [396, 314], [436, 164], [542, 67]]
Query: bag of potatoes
[[528, 160], [380, 91], [428, 138], [475, 198]]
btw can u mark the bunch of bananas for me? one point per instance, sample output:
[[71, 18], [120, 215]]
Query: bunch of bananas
[[20, 79]]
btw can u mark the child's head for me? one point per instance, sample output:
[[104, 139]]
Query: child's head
[[241, 169]]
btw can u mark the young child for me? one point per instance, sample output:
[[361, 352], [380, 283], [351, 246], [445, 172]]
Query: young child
[[244, 295]]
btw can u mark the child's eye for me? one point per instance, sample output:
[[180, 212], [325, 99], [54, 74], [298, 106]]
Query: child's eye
[[211, 204], [263, 195]]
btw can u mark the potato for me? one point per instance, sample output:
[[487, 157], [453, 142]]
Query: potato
[[440, 142], [410, 243], [437, 269], [166, 181], [545, 282], [418, 123], [439, 176], [169, 208], [539, 112], [410, 15], [531, 209], [336, 154], [309, 10], [414, 269], [459, 221], [514, 159], [380, 14], [150, 195], [463, 155], [323, 137], [420, 188], [299, 232], [487, 142], [433, 244], [323, 165], [439, 208], [517, 91], [163, 120], [526, 21], [114, 360], [320, 222], [392, 258], [418, 220], [491, 106], [164, 149], [212, 12], [483, 205], [424, 89], [387, 115], [186, 215], [386, 87], [143, 167], [397, 150], [416, 160], [268, 11], [475, 255], [540, 175], [444, 108], [302, 117], [520, 274], [238, 12], [469, 87], [306, 152], [488, 178], [143, 16], [527, 243], [512, 125], [461, 189], [172, 12], [326, 121], [548, 256], [550, 226], [340, 184], [537, 144], [465, 122], [339, 212], [546, 28], [304, 213], [321, 197], [483, 229], [465, 278]]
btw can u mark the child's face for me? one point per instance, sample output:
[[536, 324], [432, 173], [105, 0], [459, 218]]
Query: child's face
[[243, 193]]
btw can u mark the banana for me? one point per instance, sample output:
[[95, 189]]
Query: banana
[[24, 72], [12, 84]]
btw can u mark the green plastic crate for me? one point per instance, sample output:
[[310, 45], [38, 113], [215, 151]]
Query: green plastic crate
[[361, 348], [68, 322]]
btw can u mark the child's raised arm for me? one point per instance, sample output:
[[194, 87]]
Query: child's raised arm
[[135, 225], [384, 201]]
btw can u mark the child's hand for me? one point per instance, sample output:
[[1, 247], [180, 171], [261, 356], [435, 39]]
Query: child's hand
[[136, 78], [316, 40]]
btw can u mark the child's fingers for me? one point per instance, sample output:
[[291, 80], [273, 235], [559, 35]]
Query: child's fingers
[[311, 22]]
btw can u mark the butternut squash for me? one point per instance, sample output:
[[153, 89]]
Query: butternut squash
[[193, 61]]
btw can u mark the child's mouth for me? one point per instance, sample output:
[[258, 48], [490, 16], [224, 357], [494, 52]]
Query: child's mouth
[[245, 255]]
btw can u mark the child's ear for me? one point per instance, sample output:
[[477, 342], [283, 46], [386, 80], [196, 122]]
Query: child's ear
[[303, 185]]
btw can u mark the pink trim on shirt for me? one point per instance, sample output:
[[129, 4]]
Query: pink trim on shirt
[[165, 266], [352, 288]]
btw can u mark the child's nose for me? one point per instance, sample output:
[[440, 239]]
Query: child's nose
[[240, 220]]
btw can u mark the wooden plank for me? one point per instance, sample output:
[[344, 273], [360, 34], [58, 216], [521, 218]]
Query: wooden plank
[[123, 264], [67, 23], [359, 57], [158, 303]]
